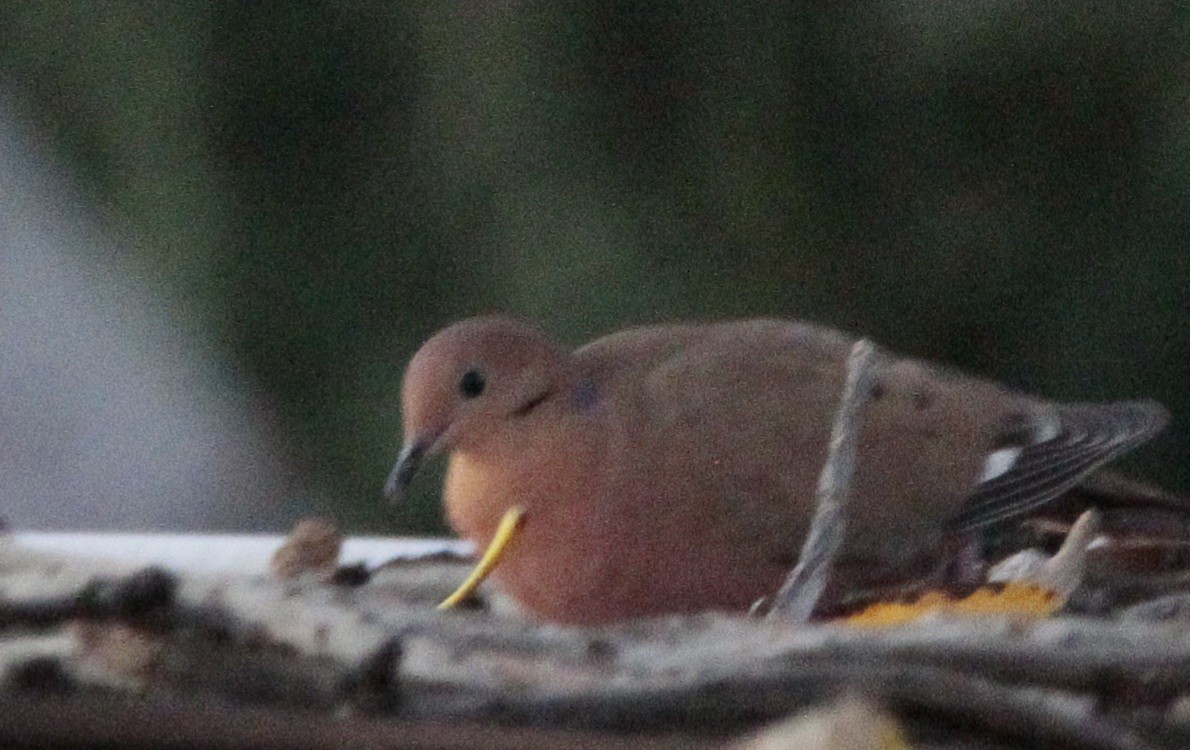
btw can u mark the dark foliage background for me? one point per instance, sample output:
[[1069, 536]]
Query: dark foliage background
[[1004, 186]]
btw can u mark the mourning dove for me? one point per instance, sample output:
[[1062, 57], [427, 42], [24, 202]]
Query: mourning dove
[[673, 468]]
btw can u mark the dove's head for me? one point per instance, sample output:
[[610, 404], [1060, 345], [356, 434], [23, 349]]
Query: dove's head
[[468, 384]]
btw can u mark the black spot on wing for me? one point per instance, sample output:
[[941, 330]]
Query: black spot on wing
[[1089, 436], [783, 559], [1017, 431]]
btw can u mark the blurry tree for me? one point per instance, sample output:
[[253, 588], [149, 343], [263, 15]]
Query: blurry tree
[[1003, 186]]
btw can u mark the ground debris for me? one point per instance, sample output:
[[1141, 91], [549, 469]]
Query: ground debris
[[377, 654]]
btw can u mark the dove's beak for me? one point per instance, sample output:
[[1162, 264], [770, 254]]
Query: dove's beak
[[407, 465]]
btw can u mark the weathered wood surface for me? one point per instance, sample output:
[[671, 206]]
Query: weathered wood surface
[[376, 662]]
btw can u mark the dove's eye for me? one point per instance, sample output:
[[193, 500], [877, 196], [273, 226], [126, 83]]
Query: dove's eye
[[471, 384]]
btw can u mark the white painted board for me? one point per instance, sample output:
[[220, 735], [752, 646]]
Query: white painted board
[[222, 553]]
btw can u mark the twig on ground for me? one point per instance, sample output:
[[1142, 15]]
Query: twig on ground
[[982, 707], [797, 597], [145, 592]]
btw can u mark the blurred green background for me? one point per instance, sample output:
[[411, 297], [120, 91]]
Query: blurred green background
[[318, 186]]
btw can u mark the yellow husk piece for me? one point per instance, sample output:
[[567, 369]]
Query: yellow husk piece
[[510, 524], [1019, 598]]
